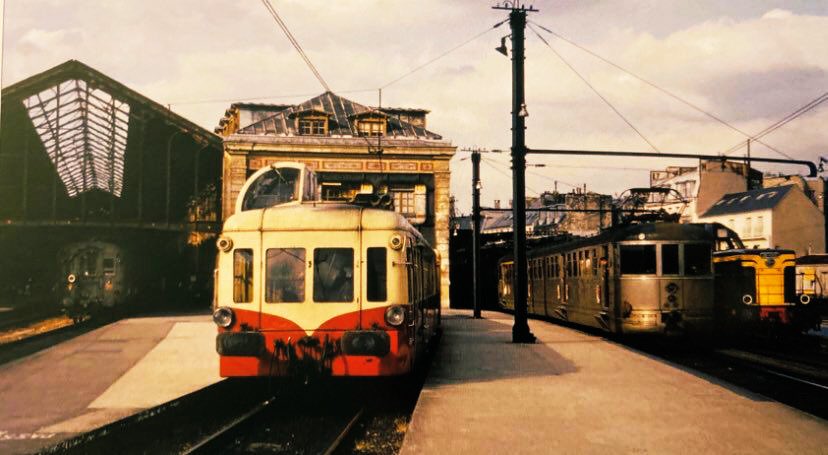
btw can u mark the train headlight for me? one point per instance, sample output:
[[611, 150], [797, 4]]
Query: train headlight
[[672, 288], [747, 299], [71, 278], [223, 317], [224, 244], [770, 262], [395, 315], [671, 298], [804, 299]]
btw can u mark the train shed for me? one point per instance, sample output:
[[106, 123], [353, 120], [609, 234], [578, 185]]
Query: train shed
[[83, 157]]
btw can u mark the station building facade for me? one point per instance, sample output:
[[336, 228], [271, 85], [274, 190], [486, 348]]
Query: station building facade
[[354, 149]]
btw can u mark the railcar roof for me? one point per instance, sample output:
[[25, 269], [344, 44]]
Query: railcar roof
[[318, 216], [652, 232]]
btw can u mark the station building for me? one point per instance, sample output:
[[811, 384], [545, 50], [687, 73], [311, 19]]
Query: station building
[[354, 149]]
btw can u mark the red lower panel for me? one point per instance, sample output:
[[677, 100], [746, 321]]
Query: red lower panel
[[289, 351]]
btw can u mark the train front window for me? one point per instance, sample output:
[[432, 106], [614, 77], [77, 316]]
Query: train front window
[[276, 186], [333, 275], [109, 265], [670, 259], [243, 275], [377, 274], [285, 275], [697, 259], [638, 259]]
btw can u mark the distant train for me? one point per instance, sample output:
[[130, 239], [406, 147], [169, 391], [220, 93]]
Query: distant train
[[305, 288], [812, 289], [639, 278], [93, 278]]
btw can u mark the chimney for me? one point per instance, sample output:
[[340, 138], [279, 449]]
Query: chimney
[[497, 203]]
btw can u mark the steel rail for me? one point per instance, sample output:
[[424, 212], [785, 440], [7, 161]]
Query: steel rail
[[335, 445], [210, 443]]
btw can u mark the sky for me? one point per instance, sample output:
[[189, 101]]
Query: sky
[[748, 62]]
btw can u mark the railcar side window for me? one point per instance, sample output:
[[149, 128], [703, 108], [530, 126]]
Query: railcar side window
[[670, 259], [333, 274], [638, 259], [285, 275], [697, 259], [243, 275], [377, 274]]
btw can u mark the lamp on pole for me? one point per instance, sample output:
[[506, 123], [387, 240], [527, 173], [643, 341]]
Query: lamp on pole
[[517, 23]]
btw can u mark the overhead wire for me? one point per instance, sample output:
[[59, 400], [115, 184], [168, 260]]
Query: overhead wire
[[295, 43], [656, 86], [506, 174], [418, 68], [782, 122], [588, 84]]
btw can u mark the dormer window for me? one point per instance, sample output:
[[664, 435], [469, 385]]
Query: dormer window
[[370, 123], [313, 126], [371, 127], [311, 122]]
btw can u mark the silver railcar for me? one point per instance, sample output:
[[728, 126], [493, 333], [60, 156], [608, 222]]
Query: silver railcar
[[651, 278]]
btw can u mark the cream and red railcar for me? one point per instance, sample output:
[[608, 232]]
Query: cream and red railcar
[[318, 288], [651, 277]]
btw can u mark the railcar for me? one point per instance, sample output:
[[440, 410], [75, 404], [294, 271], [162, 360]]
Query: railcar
[[312, 288], [765, 289], [92, 278], [639, 278]]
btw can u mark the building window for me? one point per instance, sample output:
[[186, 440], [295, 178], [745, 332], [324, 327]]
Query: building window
[[313, 126], [759, 227], [404, 203], [371, 127], [748, 231]]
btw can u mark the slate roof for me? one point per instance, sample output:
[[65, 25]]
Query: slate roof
[[748, 201], [342, 112]]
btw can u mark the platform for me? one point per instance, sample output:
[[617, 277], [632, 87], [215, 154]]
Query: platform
[[576, 393], [102, 376]]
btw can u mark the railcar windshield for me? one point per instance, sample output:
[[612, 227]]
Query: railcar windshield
[[333, 275], [276, 186], [285, 275], [638, 259], [377, 274]]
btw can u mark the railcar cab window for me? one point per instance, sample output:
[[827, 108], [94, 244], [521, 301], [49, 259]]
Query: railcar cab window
[[377, 274], [333, 275], [670, 259], [696, 259], [285, 275], [243, 275], [638, 259], [109, 266], [276, 186]]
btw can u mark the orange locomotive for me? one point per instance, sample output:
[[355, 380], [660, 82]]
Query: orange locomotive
[[306, 287]]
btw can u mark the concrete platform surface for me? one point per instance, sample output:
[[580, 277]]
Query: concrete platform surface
[[579, 394], [102, 376]]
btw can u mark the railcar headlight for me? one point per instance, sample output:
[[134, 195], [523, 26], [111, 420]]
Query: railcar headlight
[[747, 299], [223, 317], [395, 315], [71, 278], [672, 288], [224, 244], [804, 299], [671, 298]]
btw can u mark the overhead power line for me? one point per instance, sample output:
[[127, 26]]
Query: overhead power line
[[782, 122], [418, 68], [585, 81], [657, 87], [295, 43]]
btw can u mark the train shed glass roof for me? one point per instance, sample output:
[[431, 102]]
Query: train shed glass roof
[[84, 130]]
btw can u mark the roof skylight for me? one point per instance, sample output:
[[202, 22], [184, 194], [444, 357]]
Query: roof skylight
[[84, 131]]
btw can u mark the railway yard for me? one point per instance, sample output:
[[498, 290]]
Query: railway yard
[[86, 391]]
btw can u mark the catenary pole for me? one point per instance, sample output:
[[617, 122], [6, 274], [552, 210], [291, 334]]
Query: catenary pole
[[475, 158]]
